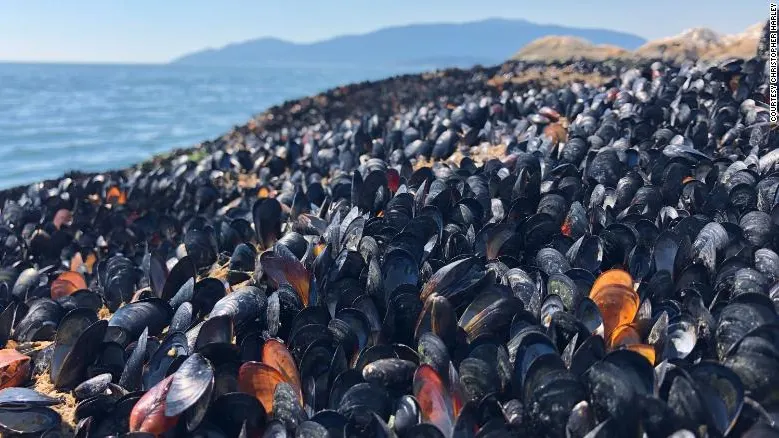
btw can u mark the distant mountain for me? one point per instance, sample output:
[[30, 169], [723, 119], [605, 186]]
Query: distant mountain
[[566, 48], [696, 43], [439, 45], [704, 43]]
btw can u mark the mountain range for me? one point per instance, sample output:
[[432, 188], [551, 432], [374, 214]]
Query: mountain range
[[435, 45]]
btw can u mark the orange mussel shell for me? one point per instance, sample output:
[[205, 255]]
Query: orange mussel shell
[[283, 270], [148, 414], [260, 380], [14, 368], [612, 277], [616, 299], [275, 354], [67, 283], [624, 335], [115, 196], [435, 401]]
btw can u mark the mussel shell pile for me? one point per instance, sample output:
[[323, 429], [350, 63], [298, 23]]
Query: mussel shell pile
[[438, 255]]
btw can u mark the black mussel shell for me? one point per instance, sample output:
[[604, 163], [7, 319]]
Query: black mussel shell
[[182, 272], [20, 396], [129, 321], [130, 379], [28, 421], [173, 346], [75, 347], [244, 306], [92, 387], [40, 322]]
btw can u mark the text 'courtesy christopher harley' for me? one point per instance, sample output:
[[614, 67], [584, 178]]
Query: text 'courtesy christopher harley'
[[773, 62]]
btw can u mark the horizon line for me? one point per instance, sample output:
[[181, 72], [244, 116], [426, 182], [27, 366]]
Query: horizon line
[[68, 62]]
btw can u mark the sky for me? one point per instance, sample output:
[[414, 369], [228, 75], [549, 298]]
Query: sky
[[151, 31]]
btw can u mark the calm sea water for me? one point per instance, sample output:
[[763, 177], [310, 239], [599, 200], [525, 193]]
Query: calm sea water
[[55, 118]]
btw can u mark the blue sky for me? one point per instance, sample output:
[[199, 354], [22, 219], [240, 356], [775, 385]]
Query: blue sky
[[158, 30]]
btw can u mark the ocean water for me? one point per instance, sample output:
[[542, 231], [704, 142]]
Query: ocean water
[[57, 117]]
